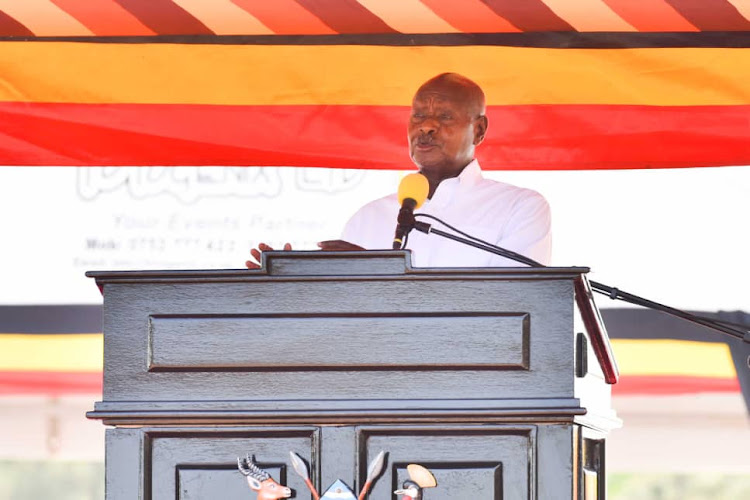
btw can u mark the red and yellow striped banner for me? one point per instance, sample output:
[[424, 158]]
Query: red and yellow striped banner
[[571, 84], [251, 75], [661, 366], [72, 364], [315, 17], [73, 103], [56, 364]]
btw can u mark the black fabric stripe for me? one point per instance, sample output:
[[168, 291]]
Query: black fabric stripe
[[627, 323], [561, 40], [621, 323], [51, 319]]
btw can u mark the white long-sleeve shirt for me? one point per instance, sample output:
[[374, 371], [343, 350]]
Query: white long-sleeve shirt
[[514, 218]]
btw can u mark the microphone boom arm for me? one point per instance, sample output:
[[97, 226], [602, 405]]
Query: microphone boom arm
[[612, 292]]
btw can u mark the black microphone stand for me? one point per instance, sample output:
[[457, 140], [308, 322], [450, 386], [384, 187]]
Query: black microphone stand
[[408, 223]]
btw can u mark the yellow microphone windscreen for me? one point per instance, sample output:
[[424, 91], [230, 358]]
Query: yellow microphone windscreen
[[414, 186]]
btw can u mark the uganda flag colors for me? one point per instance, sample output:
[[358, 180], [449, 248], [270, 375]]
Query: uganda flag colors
[[570, 84], [57, 350]]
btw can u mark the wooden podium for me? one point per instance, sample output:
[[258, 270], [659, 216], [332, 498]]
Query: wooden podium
[[495, 379]]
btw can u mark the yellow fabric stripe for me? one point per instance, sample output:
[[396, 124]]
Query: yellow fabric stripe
[[60, 353], [368, 75], [84, 352], [673, 357]]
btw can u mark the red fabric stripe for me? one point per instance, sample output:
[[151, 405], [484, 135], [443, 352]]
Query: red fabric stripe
[[630, 385], [165, 17], [104, 17], [655, 15], [50, 383], [546, 137], [612, 136], [10, 27], [471, 16], [285, 17], [711, 15], [529, 15], [58, 383], [346, 16]]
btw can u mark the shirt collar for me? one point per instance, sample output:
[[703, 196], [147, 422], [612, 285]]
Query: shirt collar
[[470, 176]]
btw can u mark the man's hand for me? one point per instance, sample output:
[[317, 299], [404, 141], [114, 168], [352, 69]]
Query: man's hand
[[338, 246], [255, 253]]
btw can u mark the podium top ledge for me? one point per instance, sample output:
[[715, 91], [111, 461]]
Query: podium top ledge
[[318, 263]]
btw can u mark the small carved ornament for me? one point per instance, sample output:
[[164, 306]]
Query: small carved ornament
[[338, 490], [419, 479], [261, 481]]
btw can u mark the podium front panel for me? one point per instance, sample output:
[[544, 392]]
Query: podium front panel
[[456, 337], [470, 373]]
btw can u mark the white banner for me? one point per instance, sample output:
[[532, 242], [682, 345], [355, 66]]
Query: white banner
[[676, 236]]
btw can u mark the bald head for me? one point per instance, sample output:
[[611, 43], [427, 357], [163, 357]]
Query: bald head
[[466, 90], [447, 123]]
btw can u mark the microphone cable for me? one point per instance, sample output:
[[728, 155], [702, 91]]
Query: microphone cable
[[502, 251], [612, 292]]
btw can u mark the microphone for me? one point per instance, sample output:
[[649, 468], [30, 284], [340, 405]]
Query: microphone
[[412, 192]]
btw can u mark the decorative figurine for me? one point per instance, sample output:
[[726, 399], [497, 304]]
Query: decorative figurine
[[338, 490], [261, 481], [419, 478], [300, 467], [373, 471]]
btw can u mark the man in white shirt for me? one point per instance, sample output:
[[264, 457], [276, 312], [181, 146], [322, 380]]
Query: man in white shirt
[[513, 218], [447, 123]]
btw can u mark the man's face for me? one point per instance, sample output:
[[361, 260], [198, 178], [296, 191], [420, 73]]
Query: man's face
[[443, 129]]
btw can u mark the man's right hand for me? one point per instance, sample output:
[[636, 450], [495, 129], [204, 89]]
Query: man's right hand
[[256, 252]]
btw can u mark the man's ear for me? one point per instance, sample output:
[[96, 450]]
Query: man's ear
[[480, 129]]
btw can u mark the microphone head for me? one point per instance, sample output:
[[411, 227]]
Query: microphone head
[[414, 186]]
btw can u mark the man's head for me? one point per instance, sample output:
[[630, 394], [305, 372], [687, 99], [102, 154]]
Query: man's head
[[447, 122]]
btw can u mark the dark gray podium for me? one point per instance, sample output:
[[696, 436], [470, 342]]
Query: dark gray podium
[[497, 380]]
